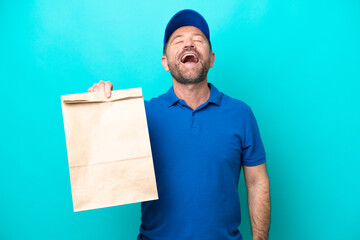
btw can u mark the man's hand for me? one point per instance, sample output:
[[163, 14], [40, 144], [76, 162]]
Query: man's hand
[[102, 86]]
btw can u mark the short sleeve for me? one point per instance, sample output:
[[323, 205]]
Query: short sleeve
[[253, 152]]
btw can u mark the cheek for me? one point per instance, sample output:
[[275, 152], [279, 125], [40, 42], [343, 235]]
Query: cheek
[[172, 58], [174, 51]]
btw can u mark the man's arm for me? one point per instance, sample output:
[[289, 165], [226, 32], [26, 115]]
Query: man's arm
[[257, 184]]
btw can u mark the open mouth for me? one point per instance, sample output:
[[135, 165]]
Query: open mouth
[[189, 58]]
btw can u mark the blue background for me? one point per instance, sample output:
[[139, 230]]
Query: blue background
[[296, 63]]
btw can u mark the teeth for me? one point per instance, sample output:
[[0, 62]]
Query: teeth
[[188, 54]]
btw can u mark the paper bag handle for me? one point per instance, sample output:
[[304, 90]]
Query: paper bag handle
[[99, 97]]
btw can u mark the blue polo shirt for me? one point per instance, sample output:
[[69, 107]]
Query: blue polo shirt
[[198, 156]]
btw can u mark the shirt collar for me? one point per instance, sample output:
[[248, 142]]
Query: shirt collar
[[215, 96]]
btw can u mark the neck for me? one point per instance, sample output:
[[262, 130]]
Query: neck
[[194, 94]]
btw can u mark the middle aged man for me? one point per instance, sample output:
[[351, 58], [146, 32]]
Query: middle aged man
[[200, 138]]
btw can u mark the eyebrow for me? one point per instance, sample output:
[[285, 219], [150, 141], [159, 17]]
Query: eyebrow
[[181, 35], [177, 37]]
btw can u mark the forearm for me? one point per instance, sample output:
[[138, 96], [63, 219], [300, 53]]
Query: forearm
[[259, 209]]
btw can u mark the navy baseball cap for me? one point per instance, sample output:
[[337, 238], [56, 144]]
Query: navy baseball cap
[[186, 17]]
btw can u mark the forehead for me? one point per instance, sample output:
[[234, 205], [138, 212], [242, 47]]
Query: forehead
[[191, 30]]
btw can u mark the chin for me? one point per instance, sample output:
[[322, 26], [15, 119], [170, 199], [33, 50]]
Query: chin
[[185, 80]]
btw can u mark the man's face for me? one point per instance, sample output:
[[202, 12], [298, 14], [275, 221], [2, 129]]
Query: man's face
[[188, 55]]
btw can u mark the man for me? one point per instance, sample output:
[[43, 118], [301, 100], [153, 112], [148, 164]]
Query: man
[[200, 138]]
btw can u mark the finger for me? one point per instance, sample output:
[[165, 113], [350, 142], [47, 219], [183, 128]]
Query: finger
[[108, 89], [101, 85], [95, 87]]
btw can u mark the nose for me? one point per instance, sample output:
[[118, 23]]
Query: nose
[[189, 44]]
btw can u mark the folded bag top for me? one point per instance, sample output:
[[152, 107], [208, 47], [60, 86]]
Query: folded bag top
[[96, 97]]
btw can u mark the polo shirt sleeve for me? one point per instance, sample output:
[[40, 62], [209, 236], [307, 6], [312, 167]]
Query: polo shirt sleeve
[[253, 152]]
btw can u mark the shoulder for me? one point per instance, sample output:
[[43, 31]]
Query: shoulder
[[155, 102], [235, 105], [157, 106]]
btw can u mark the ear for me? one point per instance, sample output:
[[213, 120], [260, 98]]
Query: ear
[[212, 59], [164, 63]]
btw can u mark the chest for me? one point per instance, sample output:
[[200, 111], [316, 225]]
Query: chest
[[195, 141]]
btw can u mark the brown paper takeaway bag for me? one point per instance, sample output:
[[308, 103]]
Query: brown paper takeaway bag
[[108, 148]]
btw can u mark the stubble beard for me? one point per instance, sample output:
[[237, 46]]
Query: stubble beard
[[184, 78]]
